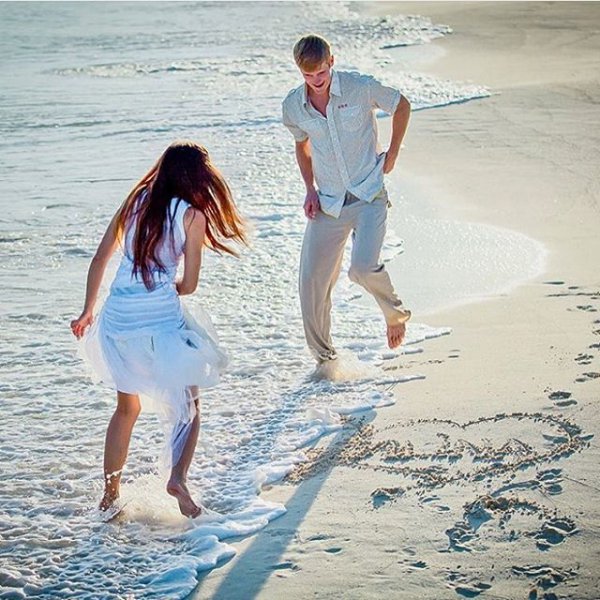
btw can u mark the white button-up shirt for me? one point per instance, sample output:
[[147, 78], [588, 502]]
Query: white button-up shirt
[[344, 145]]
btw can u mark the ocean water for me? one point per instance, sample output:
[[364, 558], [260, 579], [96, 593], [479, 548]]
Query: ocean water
[[91, 94]]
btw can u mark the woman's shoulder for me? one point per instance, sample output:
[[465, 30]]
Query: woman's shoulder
[[194, 219], [179, 209]]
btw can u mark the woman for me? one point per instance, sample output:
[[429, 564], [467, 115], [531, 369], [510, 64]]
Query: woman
[[143, 343]]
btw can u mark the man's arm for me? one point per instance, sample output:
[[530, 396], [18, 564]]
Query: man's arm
[[400, 120], [303, 156]]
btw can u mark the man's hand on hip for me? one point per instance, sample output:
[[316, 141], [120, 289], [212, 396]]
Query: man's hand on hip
[[311, 204], [389, 163]]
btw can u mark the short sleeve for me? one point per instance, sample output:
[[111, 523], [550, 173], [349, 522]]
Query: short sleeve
[[299, 134], [383, 97]]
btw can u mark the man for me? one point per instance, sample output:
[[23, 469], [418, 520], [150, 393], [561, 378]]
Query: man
[[331, 118]]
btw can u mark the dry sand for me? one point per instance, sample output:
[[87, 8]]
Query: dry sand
[[482, 479]]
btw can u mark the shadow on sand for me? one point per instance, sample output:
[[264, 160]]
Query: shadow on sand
[[249, 570]]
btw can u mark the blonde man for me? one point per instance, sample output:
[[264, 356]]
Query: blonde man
[[331, 116]]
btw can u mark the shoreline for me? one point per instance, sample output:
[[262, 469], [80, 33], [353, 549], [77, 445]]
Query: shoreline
[[450, 261], [480, 480]]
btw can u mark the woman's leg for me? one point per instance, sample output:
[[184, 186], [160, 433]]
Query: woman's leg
[[177, 486], [116, 445]]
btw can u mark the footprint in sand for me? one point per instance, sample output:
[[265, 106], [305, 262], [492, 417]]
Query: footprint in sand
[[565, 403], [554, 532], [575, 290], [587, 308], [562, 399], [382, 496], [322, 538], [587, 377], [428, 499], [584, 359], [555, 439], [283, 568], [460, 537], [465, 587], [544, 576], [547, 481], [319, 537], [413, 565], [550, 481], [433, 502]]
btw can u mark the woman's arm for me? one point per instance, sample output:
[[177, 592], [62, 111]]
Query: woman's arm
[[194, 223], [105, 250]]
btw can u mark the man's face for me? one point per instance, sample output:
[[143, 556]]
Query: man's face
[[319, 79]]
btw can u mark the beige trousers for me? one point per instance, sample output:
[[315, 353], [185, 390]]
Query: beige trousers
[[321, 261]]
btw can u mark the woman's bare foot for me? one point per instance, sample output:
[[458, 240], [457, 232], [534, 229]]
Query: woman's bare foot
[[187, 506], [395, 335], [108, 500]]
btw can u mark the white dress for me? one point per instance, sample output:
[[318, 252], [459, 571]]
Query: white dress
[[145, 342]]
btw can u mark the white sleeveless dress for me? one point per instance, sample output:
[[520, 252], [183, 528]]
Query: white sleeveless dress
[[145, 342]]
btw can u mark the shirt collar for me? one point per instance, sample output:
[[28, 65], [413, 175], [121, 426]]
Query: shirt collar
[[334, 89]]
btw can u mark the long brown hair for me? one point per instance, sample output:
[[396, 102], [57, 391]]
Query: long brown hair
[[183, 171]]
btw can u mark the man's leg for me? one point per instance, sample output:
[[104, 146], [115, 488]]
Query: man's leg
[[320, 263], [366, 269]]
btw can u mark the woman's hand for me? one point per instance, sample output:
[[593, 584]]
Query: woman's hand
[[79, 325]]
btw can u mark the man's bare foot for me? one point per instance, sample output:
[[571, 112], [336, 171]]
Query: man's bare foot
[[187, 506], [395, 335]]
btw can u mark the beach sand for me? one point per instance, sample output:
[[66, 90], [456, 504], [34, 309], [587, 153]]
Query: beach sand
[[482, 478]]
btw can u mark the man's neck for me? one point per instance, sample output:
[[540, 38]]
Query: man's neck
[[320, 101]]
